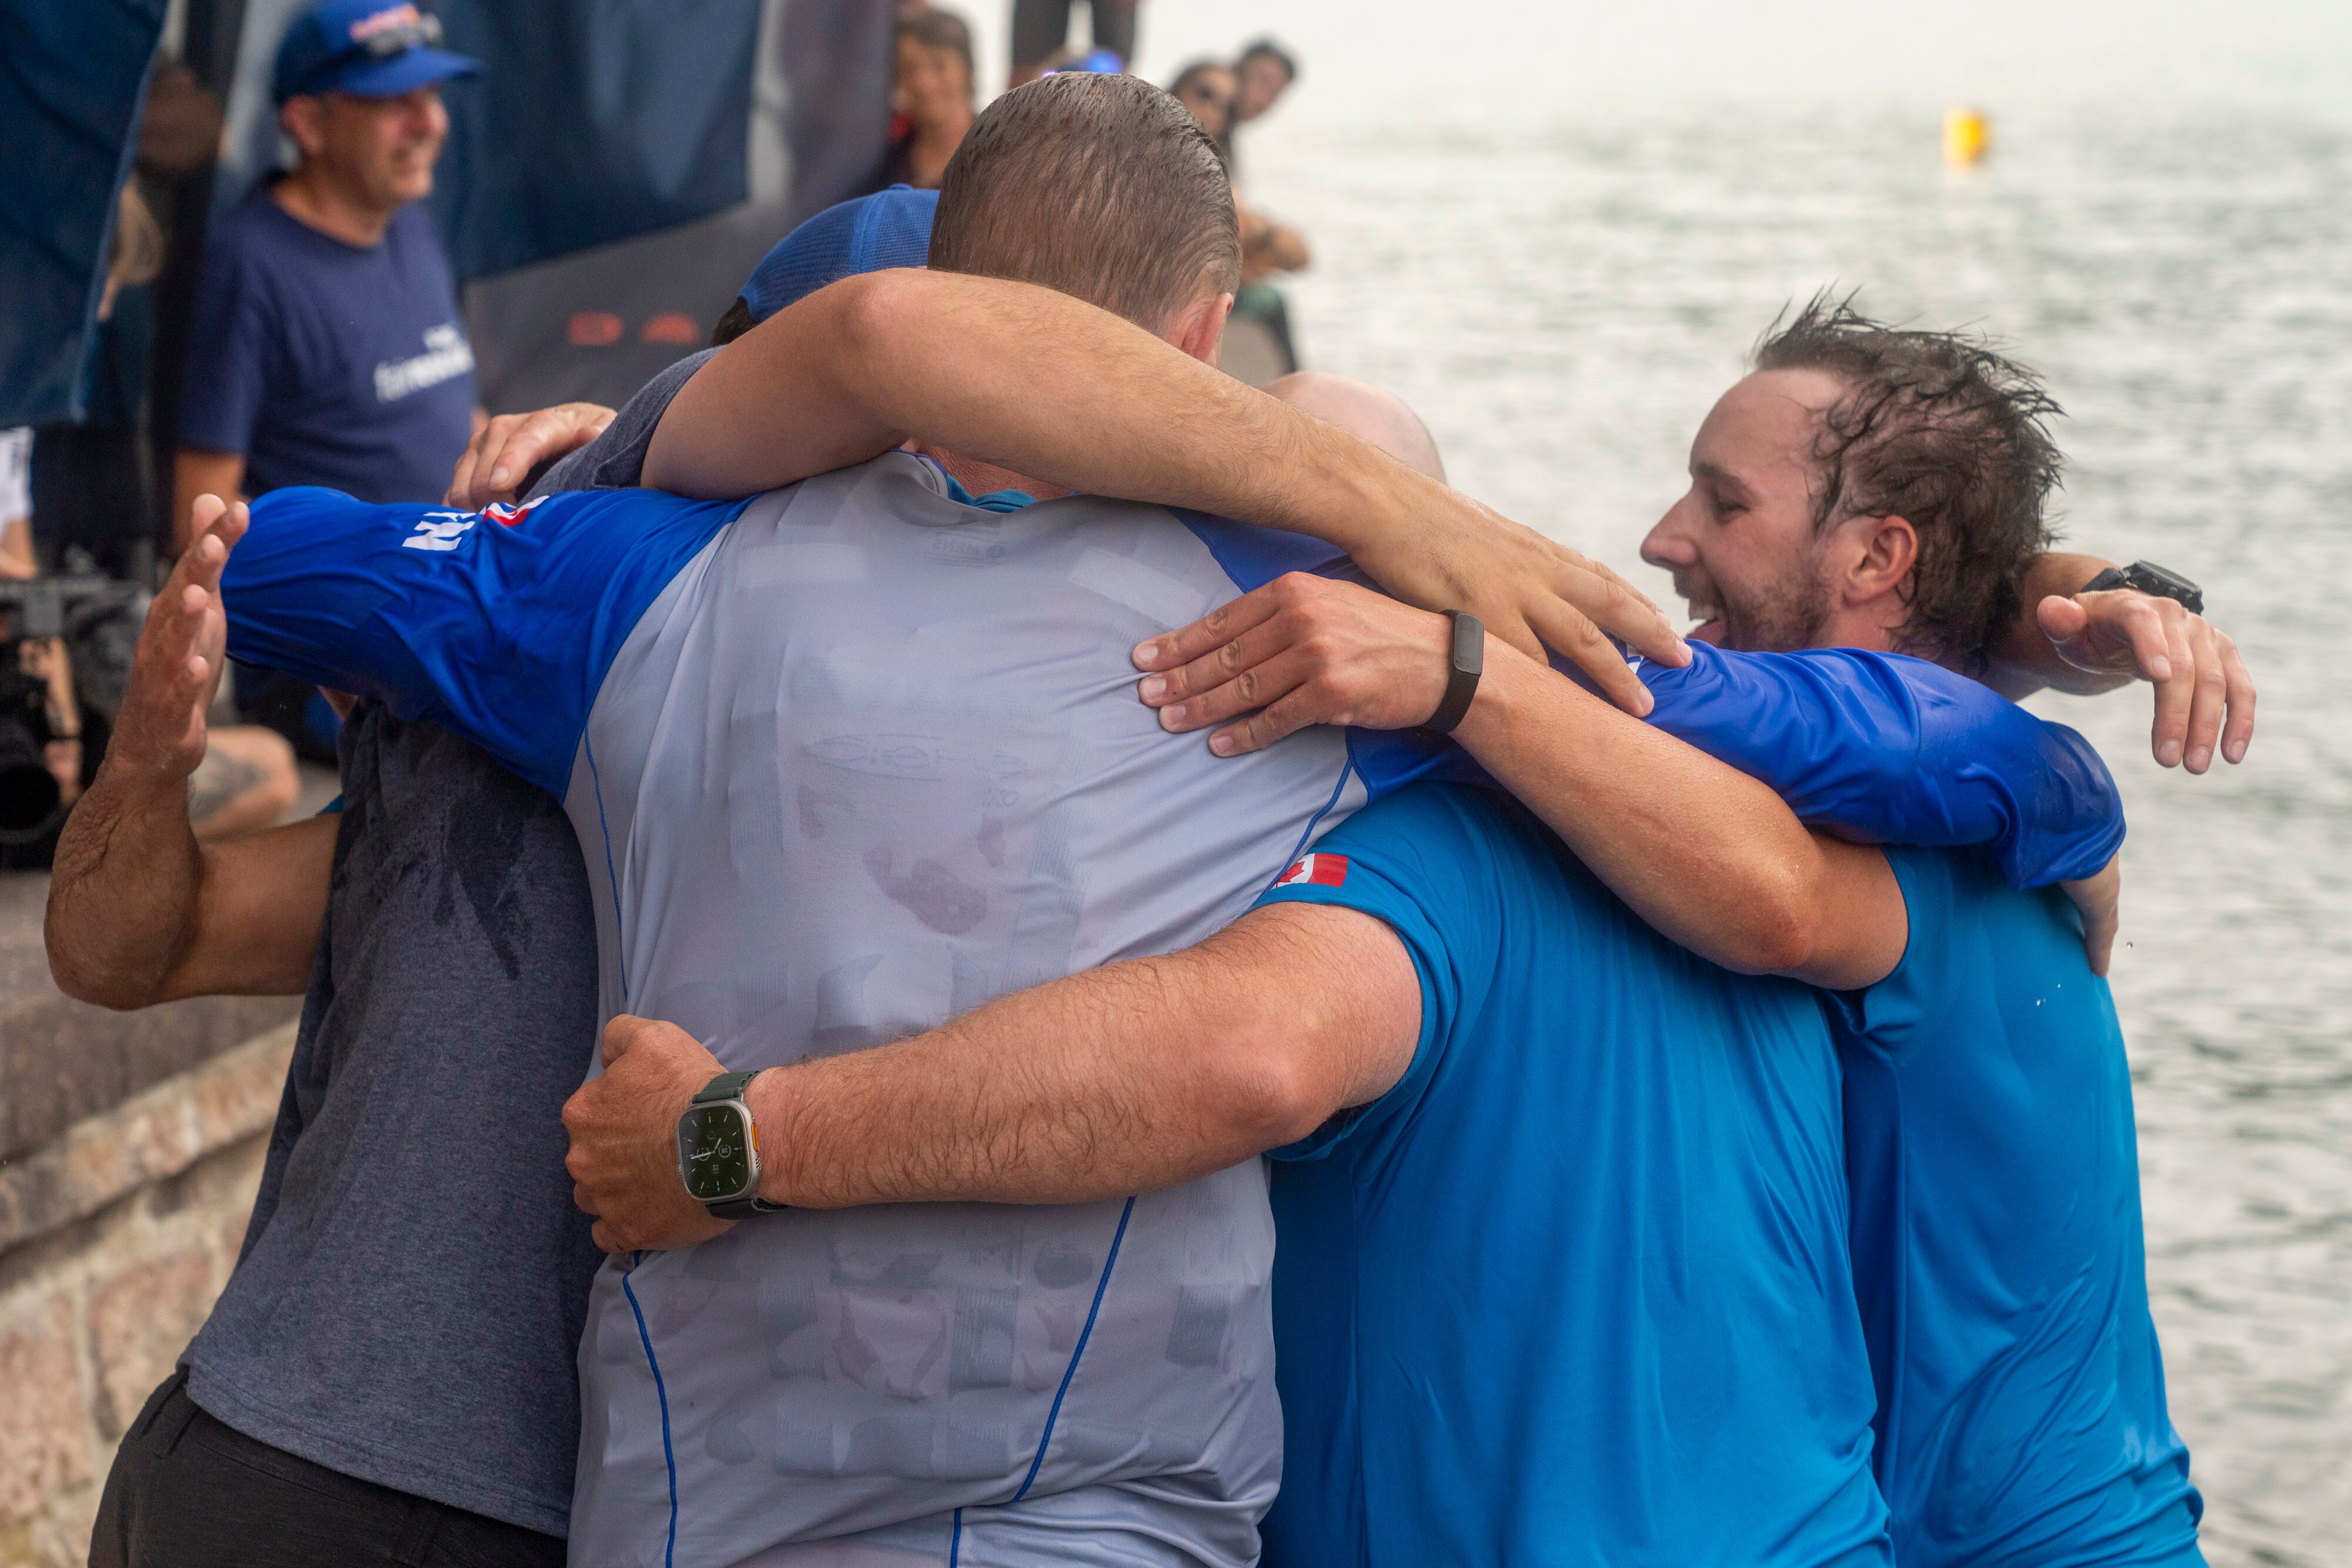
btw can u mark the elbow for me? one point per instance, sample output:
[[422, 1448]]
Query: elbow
[[1265, 1095], [1780, 929], [874, 310], [81, 970], [87, 982]]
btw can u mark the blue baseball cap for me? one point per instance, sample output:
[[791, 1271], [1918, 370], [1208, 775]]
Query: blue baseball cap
[[367, 48], [867, 233], [1101, 63]]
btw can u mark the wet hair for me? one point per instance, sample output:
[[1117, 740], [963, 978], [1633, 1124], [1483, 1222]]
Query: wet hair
[[942, 30], [1101, 186], [1938, 428], [1267, 50]]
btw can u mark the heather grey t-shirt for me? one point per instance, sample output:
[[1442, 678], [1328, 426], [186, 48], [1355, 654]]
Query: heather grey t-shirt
[[616, 459], [416, 1275], [409, 1302]]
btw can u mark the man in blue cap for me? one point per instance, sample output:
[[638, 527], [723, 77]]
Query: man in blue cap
[[328, 348]]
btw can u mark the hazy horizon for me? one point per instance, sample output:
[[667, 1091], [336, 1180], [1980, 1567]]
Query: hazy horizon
[[1509, 61]]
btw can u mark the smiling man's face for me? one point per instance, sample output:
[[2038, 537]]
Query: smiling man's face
[[1741, 544]]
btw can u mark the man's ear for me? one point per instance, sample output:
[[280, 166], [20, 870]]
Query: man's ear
[[1883, 550], [301, 118], [1200, 331]]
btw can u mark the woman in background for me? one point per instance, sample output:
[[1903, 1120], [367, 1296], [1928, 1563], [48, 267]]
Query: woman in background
[[930, 100]]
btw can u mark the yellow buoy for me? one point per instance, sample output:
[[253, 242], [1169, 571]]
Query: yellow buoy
[[1968, 136]]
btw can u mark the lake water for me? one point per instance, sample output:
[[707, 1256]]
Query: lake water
[[1563, 306]]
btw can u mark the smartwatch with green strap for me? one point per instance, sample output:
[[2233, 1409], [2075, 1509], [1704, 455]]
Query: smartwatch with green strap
[[718, 1150]]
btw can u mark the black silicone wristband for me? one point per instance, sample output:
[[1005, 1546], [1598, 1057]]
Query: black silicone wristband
[[2147, 576], [1465, 661]]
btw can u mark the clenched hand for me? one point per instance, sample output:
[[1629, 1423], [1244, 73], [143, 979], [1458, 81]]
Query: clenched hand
[[623, 1127]]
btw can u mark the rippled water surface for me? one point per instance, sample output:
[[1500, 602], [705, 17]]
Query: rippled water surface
[[1563, 308]]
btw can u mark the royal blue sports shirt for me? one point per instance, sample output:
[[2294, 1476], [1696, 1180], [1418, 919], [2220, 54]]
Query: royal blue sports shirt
[[1575, 1290], [1997, 1247]]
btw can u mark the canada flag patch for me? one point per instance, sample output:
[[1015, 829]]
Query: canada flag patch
[[1321, 870], [506, 514]]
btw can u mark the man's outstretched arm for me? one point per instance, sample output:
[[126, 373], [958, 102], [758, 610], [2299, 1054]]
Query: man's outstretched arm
[[1708, 854], [1123, 1079], [138, 911], [1037, 383]]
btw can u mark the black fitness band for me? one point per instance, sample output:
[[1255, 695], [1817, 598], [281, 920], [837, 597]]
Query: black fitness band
[[1467, 659]]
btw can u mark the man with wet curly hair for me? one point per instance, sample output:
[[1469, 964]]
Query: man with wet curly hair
[[1879, 489], [1936, 428]]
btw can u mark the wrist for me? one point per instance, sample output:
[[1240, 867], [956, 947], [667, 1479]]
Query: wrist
[[1505, 690], [769, 1099], [143, 784]]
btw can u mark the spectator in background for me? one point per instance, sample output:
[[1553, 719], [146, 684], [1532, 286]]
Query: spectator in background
[[1042, 27], [90, 490], [328, 348], [931, 99], [1262, 74], [15, 504], [1208, 90], [1261, 350], [1266, 71]]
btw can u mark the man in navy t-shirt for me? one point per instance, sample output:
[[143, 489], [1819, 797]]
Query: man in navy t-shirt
[[328, 348]]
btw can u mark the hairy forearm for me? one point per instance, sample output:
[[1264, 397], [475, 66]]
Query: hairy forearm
[[123, 891], [2024, 659], [1123, 1079], [1025, 379], [1709, 856], [140, 912], [1106, 1082]]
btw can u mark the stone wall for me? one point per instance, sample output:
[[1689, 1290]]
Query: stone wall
[[115, 1237]]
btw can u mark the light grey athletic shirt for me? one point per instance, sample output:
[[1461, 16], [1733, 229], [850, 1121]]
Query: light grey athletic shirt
[[872, 758], [846, 759]]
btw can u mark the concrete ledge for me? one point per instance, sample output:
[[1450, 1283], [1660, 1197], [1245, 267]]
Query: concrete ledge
[[62, 1061], [151, 1136]]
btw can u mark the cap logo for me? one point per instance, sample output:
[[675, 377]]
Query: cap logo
[[384, 21]]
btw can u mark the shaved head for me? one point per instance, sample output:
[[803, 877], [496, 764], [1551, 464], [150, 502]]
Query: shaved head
[[1370, 413]]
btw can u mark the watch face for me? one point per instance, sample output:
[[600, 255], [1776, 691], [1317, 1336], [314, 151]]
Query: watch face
[[713, 1154]]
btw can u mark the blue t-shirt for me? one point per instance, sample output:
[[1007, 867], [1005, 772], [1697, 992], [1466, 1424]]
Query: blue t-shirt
[[1997, 1245], [1575, 1290], [324, 363]]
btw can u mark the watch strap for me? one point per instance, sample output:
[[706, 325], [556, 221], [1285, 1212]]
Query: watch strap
[[1465, 661], [726, 1086], [2147, 576], [730, 1086]]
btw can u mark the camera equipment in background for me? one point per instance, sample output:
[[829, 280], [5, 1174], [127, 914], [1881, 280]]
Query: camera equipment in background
[[98, 618]]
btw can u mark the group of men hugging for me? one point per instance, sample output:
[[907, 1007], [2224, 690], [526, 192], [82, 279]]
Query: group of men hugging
[[1173, 989]]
